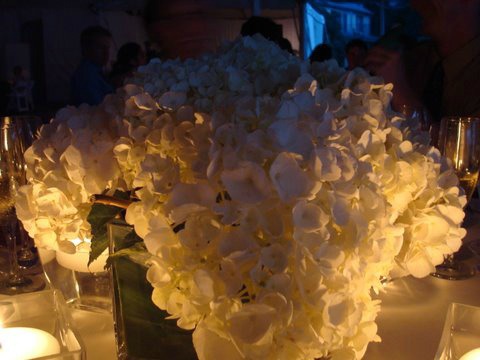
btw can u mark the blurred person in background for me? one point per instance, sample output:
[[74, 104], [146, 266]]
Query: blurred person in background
[[89, 83], [442, 74], [129, 57], [286, 45], [189, 28], [355, 52], [269, 29], [264, 26], [322, 52], [183, 29]]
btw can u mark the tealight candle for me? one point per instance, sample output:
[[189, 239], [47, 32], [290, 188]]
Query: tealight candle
[[22, 343], [78, 261], [472, 355]]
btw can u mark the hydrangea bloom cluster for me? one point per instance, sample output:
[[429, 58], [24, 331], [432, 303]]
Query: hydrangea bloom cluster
[[273, 196]]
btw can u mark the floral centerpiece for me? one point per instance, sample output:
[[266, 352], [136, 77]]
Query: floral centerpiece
[[272, 195]]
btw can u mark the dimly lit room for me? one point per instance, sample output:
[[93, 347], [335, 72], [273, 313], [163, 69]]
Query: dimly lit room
[[239, 180]]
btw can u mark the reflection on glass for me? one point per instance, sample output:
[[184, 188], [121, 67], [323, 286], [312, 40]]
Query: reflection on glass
[[12, 175], [459, 141], [27, 128], [461, 333]]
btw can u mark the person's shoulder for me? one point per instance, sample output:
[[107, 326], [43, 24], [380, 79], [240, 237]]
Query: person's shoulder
[[86, 69], [423, 48], [87, 66], [422, 55]]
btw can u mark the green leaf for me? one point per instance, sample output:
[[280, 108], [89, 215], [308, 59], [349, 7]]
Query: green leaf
[[143, 328], [98, 218], [137, 253], [131, 239], [99, 244]]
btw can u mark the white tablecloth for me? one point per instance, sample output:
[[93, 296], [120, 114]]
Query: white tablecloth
[[413, 310], [410, 322], [96, 330], [413, 313]]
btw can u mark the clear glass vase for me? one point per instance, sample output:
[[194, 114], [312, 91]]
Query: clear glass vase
[[142, 332], [85, 288], [38, 325], [461, 333]]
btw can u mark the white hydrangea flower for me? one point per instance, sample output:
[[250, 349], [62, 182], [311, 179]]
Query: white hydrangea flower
[[247, 183], [272, 196]]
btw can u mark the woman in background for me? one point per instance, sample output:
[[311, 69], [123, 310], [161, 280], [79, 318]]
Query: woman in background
[[129, 57]]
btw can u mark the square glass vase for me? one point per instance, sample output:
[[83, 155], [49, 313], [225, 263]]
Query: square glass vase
[[141, 328], [87, 289], [461, 334], [38, 326]]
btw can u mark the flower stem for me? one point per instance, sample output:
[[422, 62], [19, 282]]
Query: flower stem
[[110, 200]]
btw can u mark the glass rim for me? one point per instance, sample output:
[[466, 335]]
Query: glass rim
[[454, 305], [463, 119], [6, 120], [12, 121]]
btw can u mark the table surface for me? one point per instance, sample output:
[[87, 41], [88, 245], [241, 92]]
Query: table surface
[[413, 313], [413, 310], [96, 330], [410, 322]]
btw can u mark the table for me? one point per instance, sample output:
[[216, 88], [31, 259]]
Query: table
[[413, 313], [410, 322], [97, 332], [414, 310]]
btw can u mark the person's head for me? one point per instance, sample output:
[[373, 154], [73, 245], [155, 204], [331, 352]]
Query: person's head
[[321, 53], [268, 28], [131, 54], [96, 43], [184, 29], [355, 51], [286, 45], [443, 18]]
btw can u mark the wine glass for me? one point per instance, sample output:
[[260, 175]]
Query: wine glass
[[418, 118], [459, 140], [26, 127], [12, 173], [418, 115]]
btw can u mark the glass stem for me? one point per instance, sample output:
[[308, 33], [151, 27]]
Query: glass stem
[[449, 262], [14, 277], [25, 256], [77, 285]]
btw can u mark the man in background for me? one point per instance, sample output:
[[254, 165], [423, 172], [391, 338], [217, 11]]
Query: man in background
[[89, 84], [322, 52], [440, 75], [355, 51]]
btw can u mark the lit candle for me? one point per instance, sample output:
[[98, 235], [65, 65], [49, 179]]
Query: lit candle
[[22, 343], [472, 355], [78, 261]]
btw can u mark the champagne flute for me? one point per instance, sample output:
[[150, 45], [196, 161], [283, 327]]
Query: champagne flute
[[26, 127], [11, 174], [459, 140]]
